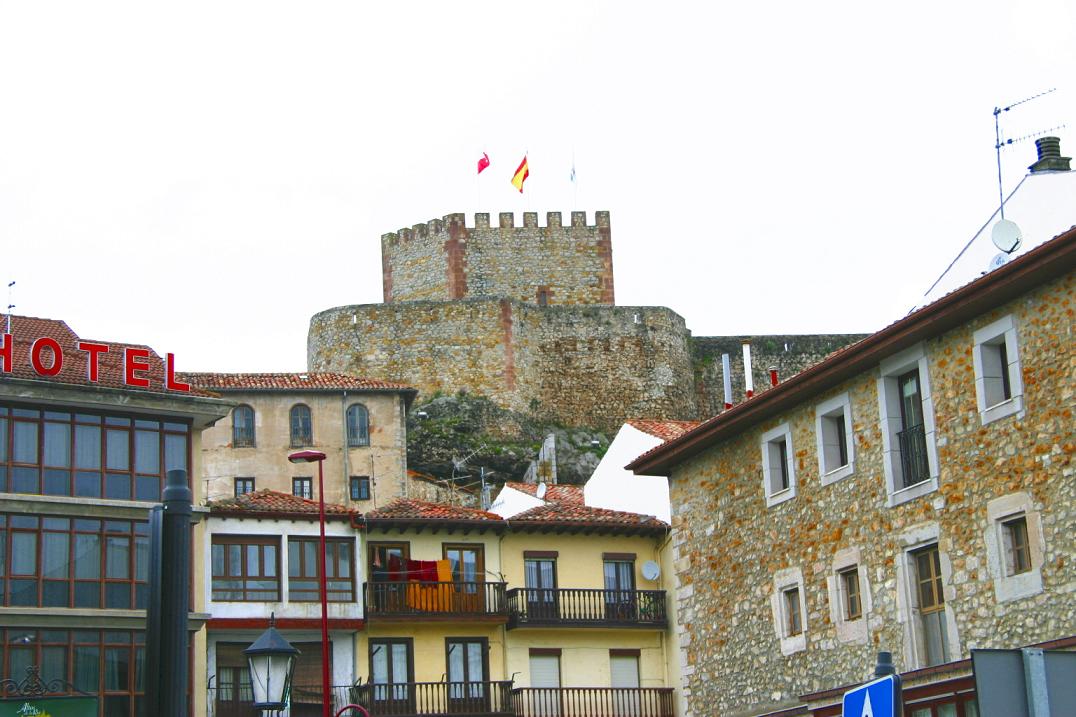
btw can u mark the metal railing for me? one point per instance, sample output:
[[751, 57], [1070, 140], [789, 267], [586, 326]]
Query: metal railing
[[593, 702], [414, 599], [586, 607], [914, 466], [305, 701], [414, 699]]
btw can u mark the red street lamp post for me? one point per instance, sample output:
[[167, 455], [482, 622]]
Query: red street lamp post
[[326, 691]]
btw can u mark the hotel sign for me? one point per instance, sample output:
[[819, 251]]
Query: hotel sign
[[49, 707], [47, 359]]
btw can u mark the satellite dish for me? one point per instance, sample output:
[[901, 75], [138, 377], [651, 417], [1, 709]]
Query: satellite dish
[[541, 491], [651, 571], [1006, 236], [998, 261]]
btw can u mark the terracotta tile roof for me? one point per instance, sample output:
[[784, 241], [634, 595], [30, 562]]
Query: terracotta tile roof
[[571, 515], [305, 380], [1043, 263], [267, 502], [406, 510], [664, 429], [558, 493], [27, 329]]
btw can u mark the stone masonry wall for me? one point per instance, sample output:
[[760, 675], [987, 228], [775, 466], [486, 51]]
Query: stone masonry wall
[[444, 259], [584, 366], [729, 545], [790, 354]]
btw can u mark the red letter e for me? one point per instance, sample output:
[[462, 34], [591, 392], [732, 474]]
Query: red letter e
[[135, 360]]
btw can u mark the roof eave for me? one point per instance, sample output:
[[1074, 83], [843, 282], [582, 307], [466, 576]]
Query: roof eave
[[1053, 259]]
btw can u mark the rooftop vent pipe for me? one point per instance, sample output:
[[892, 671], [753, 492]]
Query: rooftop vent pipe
[[773, 375], [1050, 159], [749, 383], [726, 375]]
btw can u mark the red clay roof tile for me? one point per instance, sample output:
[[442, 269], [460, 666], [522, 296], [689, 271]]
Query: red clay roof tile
[[570, 514], [309, 380], [666, 430], [558, 493], [266, 502], [404, 509]]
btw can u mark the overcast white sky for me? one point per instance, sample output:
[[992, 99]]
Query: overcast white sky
[[203, 177]]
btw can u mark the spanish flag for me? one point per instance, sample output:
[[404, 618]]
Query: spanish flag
[[521, 175]]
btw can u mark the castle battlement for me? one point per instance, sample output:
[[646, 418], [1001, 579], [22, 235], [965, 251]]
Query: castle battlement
[[505, 220], [445, 259]]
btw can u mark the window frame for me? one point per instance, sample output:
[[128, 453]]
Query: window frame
[[236, 483], [770, 464], [1001, 332], [890, 413], [244, 441], [1000, 511], [825, 440], [300, 438], [332, 569], [246, 541], [784, 582], [358, 438], [364, 486], [306, 482], [850, 630]]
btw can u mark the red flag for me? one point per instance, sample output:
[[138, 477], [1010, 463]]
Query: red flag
[[483, 163]]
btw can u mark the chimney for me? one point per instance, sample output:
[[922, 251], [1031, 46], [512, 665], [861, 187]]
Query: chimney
[[1050, 159], [726, 374], [773, 375], [748, 379]]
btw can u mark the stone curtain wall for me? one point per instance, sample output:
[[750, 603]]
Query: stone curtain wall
[[729, 545], [444, 259], [583, 366], [790, 354]]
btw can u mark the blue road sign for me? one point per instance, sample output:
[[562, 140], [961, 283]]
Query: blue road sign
[[874, 699]]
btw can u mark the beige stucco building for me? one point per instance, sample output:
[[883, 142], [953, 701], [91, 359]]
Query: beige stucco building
[[913, 493], [359, 423]]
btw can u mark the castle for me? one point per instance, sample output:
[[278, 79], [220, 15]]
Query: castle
[[526, 315]]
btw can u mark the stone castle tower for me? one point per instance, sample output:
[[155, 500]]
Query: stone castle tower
[[526, 316]]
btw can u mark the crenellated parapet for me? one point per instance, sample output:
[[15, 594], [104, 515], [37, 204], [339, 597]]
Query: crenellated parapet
[[552, 263]]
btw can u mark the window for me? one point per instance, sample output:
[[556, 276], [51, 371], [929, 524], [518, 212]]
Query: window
[[302, 487], [907, 425], [73, 562], [245, 568], [778, 472], [542, 295], [833, 428], [468, 670], [1014, 546], [930, 601], [540, 583], [619, 573], [793, 620], [243, 486], [243, 427], [789, 610], [849, 596], [852, 603], [302, 434], [303, 570], [392, 675], [360, 487], [999, 386], [358, 425], [88, 455]]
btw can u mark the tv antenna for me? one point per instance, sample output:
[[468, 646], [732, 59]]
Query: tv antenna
[[10, 305], [999, 144]]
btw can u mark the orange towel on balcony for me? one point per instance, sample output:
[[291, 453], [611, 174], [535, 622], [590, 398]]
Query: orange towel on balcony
[[444, 571]]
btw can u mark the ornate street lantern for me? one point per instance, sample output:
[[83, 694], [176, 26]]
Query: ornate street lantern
[[272, 662]]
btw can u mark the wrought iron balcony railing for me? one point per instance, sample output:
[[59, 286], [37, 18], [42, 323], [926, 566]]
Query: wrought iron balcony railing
[[575, 607], [433, 699], [593, 702], [913, 455], [417, 599]]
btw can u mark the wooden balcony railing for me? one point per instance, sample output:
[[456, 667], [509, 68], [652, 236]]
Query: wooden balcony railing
[[432, 699], [573, 607], [593, 702], [414, 599]]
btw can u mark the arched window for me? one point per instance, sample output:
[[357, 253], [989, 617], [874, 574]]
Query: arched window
[[358, 425], [301, 432], [242, 427]]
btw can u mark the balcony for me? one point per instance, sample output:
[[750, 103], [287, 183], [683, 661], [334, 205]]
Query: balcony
[[913, 455], [540, 607], [433, 699], [592, 702], [435, 601]]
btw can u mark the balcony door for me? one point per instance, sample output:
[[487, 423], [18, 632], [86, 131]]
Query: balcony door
[[624, 676], [468, 572], [540, 580], [234, 695], [468, 673], [619, 587], [392, 676], [912, 436], [545, 696], [387, 566]]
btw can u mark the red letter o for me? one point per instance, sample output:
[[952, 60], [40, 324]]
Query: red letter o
[[57, 356]]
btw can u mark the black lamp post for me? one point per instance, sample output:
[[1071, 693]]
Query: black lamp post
[[272, 662]]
